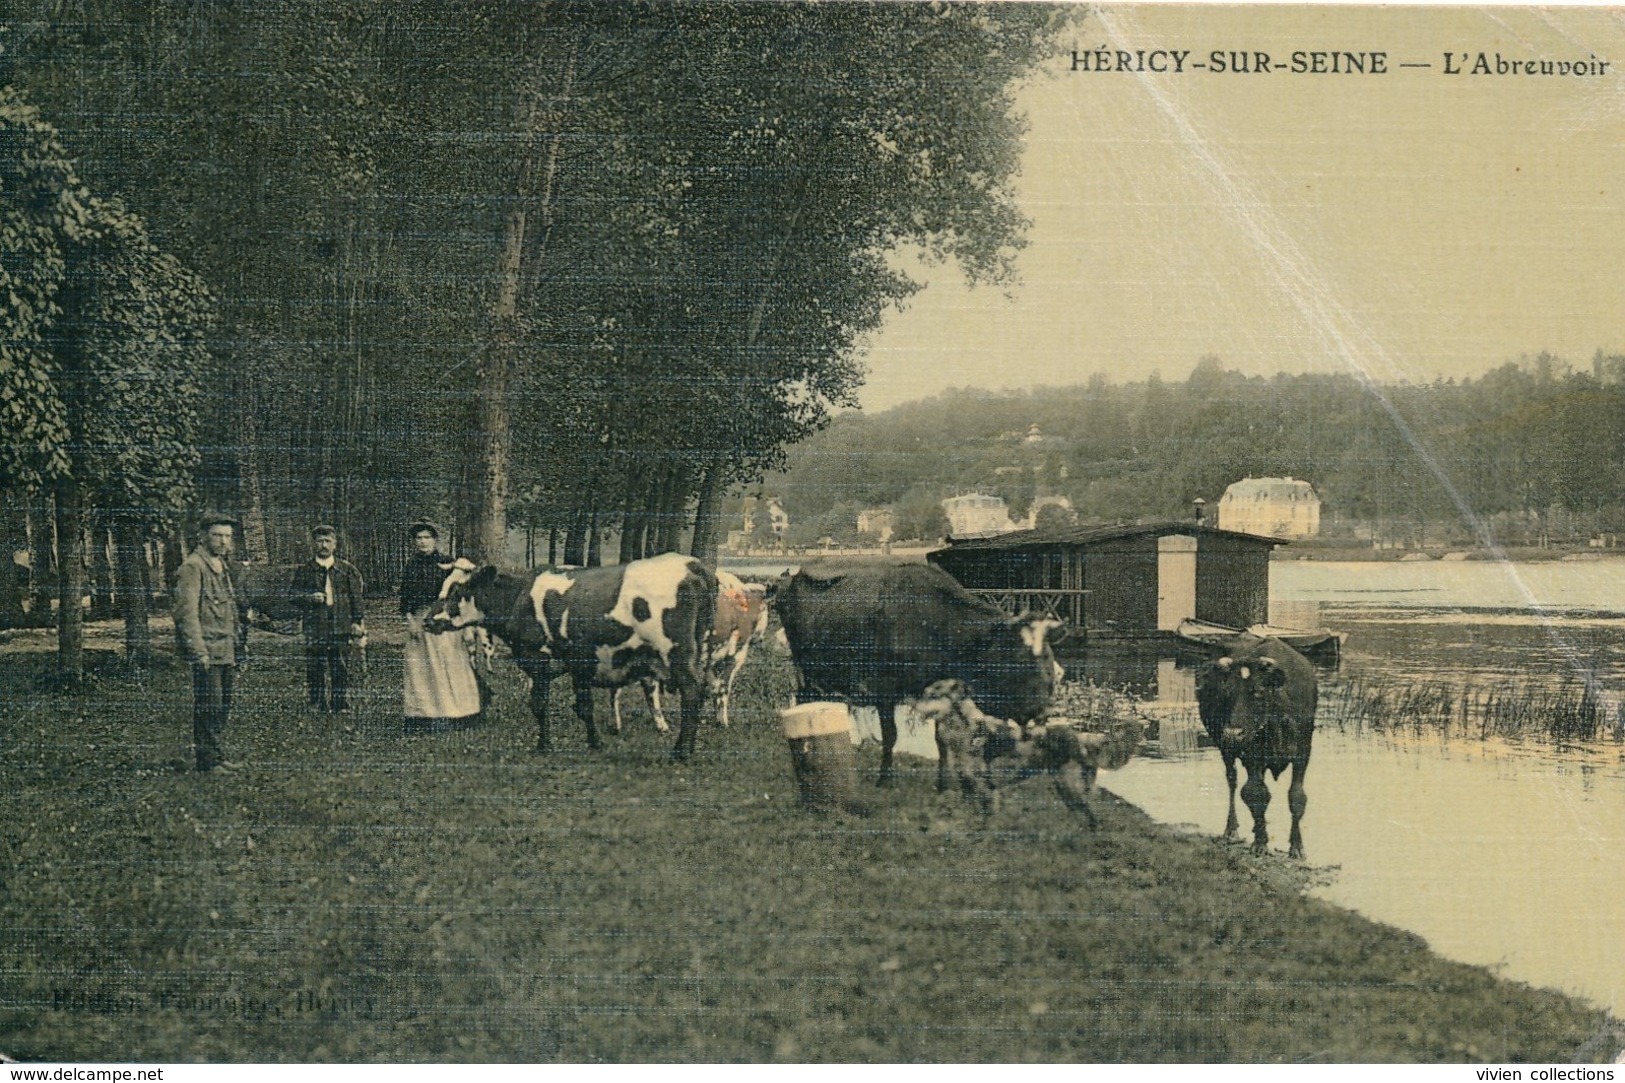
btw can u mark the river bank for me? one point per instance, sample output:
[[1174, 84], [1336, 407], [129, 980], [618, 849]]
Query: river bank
[[455, 897]]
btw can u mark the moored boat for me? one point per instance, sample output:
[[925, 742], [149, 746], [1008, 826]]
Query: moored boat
[[1321, 644]]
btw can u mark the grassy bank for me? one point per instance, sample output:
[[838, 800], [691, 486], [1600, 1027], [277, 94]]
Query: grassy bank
[[357, 894]]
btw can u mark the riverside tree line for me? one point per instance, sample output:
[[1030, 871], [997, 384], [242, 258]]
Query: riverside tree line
[[1530, 453], [563, 266]]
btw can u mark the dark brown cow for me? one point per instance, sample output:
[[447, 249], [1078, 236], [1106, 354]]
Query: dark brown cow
[[606, 627], [1258, 705], [879, 635]]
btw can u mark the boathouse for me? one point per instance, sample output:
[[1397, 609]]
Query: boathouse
[[1120, 582]]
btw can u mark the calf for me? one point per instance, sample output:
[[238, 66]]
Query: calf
[[975, 748], [606, 627], [880, 635], [1258, 705]]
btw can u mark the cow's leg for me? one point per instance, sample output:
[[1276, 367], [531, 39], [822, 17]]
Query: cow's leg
[[1231, 826], [726, 690], [1257, 796], [541, 685], [583, 690], [1297, 801], [888, 741], [691, 687], [945, 756], [1073, 781], [651, 692], [615, 707]]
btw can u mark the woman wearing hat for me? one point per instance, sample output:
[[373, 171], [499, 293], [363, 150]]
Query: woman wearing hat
[[441, 689]]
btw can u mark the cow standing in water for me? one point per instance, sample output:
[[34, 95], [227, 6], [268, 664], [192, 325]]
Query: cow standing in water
[[607, 627], [1258, 705], [880, 635]]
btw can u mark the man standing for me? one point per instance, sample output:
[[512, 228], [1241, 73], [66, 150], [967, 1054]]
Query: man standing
[[211, 627], [328, 591]]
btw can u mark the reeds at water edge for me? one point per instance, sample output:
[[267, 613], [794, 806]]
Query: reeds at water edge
[[1564, 709]]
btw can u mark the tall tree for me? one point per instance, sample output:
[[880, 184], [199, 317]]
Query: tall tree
[[102, 355]]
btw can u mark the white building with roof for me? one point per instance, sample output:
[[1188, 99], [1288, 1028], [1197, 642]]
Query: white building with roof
[[1273, 507], [977, 515]]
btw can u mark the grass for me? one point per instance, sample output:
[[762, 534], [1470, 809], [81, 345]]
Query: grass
[[1571, 710], [356, 894]]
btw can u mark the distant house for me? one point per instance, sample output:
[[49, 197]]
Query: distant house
[[1042, 502], [1120, 582], [879, 522], [977, 515], [749, 536], [1275, 507]]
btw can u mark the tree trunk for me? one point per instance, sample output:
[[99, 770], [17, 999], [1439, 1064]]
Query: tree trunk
[[13, 577], [672, 516], [103, 588], [171, 556], [708, 515], [256, 546], [595, 540], [493, 421], [575, 542], [41, 561], [552, 547], [634, 517], [135, 587], [70, 533]]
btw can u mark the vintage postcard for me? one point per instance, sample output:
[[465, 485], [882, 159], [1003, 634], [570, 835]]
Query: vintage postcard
[[802, 532]]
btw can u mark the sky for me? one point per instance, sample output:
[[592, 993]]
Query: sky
[[1404, 226]]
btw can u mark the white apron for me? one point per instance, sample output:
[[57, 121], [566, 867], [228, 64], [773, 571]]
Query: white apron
[[439, 673]]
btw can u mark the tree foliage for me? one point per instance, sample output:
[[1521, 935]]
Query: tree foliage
[[709, 199], [1530, 450]]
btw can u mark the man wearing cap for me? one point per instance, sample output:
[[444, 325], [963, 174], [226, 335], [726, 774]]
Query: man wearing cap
[[328, 593], [211, 630]]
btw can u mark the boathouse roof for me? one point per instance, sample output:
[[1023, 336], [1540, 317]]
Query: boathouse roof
[[1095, 535]]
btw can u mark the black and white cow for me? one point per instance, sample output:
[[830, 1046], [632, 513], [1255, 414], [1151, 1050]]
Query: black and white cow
[[879, 635], [605, 627], [1258, 705], [741, 618]]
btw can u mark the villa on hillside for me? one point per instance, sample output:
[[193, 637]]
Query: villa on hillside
[[1273, 507], [977, 515], [879, 522]]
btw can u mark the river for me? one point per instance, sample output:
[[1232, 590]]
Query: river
[[1503, 853]]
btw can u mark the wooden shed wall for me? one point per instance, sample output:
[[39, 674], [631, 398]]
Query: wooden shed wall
[[1121, 578], [1232, 581]]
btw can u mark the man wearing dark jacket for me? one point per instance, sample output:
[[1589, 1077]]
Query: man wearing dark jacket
[[211, 629], [328, 592]]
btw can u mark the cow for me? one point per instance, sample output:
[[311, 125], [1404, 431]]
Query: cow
[[1258, 704], [606, 627], [879, 635], [977, 748], [741, 616]]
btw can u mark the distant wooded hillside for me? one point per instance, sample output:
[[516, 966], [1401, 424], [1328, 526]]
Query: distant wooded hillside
[[1531, 451]]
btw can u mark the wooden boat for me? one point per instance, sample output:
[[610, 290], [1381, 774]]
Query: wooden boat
[[1321, 644]]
